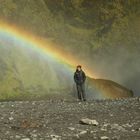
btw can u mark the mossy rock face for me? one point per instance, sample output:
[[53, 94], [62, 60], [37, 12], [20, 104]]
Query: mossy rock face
[[108, 89], [105, 89], [102, 33], [24, 74]]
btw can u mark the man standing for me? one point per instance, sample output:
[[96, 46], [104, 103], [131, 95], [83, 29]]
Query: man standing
[[79, 78]]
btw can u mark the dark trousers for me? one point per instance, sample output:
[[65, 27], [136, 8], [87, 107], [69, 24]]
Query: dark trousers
[[81, 91]]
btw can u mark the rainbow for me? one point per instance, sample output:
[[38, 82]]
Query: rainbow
[[40, 45]]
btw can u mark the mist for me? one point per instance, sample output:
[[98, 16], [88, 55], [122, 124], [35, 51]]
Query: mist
[[118, 65], [102, 36]]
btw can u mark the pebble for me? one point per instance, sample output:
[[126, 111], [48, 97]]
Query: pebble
[[25, 139], [17, 137], [132, 130], [11, 121], [127, 125], [118, 127], [89, 122], [137, 129], [71, 128], [55, 136], [11, 118], [103, 129], [115, 138], [104, 138], [83, 132], [111, 115], [34, 135]]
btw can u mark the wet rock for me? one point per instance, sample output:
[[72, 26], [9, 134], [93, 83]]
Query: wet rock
[[71, 128], [137, 129], [25, 139], [11, 118], [118, 127], [115, 138], [77, 136], [128, 125], [17, 137], [89, 122], [103, 129], [11, 137], [55, 137], [7, 132], [34, 135], [104, 138], [83, 132], [111, 115], [60, 119]]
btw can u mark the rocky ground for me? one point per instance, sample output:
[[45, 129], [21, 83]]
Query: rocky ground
[[64, 120]]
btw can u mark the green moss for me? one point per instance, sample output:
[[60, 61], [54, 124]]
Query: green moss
[[83, 28]]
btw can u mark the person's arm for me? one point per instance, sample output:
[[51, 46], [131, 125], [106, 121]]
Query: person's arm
[[75, 78], [84, 76]]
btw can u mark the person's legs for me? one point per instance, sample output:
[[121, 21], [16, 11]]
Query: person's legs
[[83, 92], [79, 92]]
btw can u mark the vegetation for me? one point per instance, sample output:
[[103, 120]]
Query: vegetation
[[103, 33]]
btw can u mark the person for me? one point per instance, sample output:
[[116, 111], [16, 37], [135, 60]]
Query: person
[[80, 78]]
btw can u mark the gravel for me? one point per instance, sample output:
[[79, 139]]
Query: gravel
[[60, 120]]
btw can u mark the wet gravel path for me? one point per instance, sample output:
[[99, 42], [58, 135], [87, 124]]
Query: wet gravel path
[[59, 120]]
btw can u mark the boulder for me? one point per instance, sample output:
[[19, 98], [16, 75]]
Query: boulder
[[87, 121]]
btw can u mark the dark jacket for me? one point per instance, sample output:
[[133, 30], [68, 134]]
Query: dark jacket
[[79, 77]]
